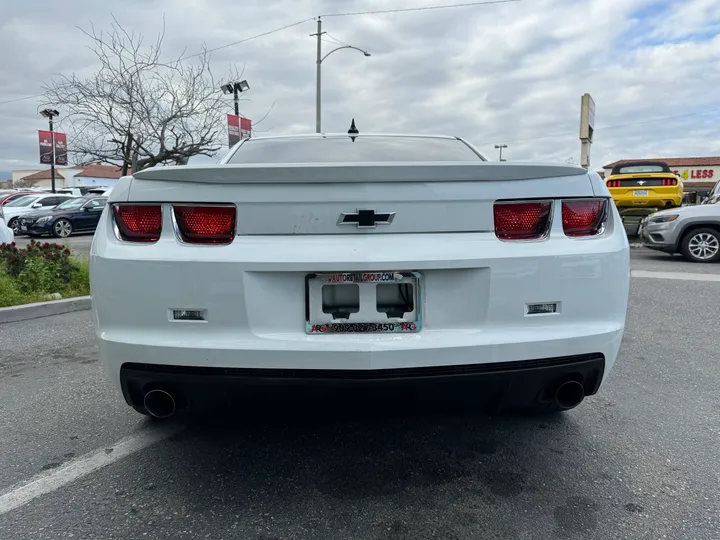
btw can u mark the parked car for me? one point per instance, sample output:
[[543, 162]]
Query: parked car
[[363, 260], [75, 215], [645, 184], [6, 198], [29, 203], [693, 231]]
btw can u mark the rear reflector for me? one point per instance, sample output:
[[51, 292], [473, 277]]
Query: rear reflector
[[138, 223], [522, 220], [583, 217], [205, 224]]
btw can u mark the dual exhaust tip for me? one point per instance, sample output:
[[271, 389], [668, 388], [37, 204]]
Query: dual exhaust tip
[[161, 404]]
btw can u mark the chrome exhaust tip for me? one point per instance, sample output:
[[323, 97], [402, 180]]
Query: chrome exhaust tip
[[159, 403]]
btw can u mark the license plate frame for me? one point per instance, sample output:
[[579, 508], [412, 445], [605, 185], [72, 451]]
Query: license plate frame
[[318, 323], [640, 193]]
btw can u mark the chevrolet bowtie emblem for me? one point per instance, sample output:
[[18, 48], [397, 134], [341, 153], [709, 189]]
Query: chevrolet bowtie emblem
[[366, 219]]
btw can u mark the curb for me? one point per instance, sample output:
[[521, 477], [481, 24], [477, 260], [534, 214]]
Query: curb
[[43, 309]]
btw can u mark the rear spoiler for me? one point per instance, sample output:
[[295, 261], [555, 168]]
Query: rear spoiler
[[321, 173]]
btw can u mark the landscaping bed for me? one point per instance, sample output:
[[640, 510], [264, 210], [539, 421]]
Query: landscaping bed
[[40, 272]]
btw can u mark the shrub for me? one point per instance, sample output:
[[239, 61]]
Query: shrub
[[31, 274], [16, 259]]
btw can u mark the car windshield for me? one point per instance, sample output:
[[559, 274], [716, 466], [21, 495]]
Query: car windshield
[[345, 149], [71, 203], [22, 201]]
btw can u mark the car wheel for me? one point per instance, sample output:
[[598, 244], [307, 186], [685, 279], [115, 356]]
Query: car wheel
[[14, 224], [62, 228], [701, 245]]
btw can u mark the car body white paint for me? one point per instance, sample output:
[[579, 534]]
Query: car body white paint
[[475, 286]]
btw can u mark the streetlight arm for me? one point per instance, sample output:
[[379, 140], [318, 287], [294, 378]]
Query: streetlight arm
[[344, 47]]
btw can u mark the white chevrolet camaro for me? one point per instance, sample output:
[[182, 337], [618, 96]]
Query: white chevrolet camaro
[[353, 261]]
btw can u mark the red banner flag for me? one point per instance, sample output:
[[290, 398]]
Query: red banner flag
[[61, 153], [46, 147], [233, 129], [245, 128]]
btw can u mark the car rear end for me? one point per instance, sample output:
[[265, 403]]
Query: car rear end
[[508, 277], [645, 190]]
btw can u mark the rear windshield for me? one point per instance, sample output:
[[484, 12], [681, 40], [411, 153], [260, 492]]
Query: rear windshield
[[344, 149], [641, 169]]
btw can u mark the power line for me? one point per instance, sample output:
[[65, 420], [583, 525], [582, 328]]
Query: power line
[[19, 99], [15, 100], [426, 8], [263, 34], [248, 39]]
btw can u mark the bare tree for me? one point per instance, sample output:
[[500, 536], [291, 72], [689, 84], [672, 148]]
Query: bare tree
[[163, 111], [23, 183]]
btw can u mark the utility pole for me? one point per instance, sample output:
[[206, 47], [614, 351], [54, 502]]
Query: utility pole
[[49, 114], [587, 127], [318, 77], [500, 147]]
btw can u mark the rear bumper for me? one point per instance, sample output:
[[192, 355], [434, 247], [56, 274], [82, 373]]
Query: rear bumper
[[508, 384]]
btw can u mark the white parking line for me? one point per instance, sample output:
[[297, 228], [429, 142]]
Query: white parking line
[[674, 275], [52, 480]]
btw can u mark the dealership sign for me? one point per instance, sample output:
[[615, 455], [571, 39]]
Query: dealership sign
[[239, 128], [52, 144]]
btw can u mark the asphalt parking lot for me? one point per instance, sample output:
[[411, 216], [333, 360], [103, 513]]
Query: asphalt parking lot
[[640, 460]]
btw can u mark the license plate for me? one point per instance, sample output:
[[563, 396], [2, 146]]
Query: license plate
[[23, 227], [387, 302], [641, 193]]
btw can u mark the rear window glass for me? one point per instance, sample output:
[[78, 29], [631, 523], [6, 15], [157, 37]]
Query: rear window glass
[[632, 169], [344, 149]]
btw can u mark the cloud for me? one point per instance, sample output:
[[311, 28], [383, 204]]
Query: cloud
[[510, 73]]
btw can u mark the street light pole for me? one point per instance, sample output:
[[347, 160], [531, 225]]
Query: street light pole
[[318, 78], [500, 147], [318, 73], [49, 114]]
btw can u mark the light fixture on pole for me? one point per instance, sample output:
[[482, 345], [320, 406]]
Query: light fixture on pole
[[236, 88], [500, 147], [50, 114], [318, 72]]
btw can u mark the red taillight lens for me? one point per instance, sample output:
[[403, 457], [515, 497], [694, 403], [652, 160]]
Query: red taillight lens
[[138, 223], [521, 220], [583, 217], [669, 182], [613, 183], [205, 224]]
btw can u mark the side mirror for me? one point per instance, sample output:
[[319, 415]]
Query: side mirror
[[36, 205], [86, 208]]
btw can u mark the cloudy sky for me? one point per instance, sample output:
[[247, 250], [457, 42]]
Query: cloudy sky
[[508, 73]]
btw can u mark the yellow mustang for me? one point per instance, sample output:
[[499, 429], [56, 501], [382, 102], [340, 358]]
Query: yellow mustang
[[645, 184]]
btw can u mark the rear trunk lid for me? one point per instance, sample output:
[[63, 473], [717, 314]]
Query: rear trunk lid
[[314, 199]]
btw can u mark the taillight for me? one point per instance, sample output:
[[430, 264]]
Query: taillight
[[138, 223], [613, 183], [669, 182], [197, 224], [583, 217], [527, 220]]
